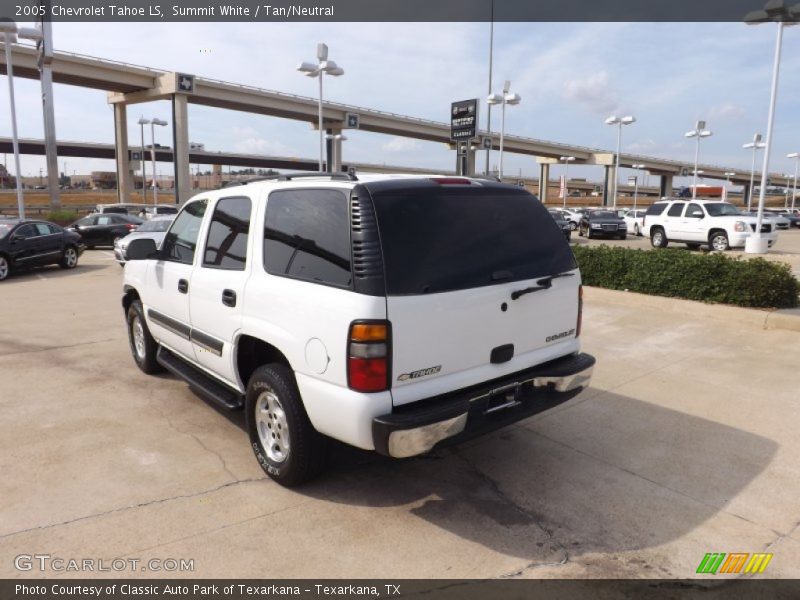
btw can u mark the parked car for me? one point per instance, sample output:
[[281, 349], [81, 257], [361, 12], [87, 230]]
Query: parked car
[[603, 223], [719, 225], [779, 217], [103, 229], [118, 208], [150, 212], [573, 216], [561, 220], [28, 243], [390, 313], [154, 229], [634, 219]]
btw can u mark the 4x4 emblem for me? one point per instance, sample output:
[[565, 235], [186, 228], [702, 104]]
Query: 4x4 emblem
[[420, 373]]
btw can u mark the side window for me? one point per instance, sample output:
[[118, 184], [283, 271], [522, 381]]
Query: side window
[[43, 229], [181, 239], [676, 209], [26, 231], [656, 209], [105, 220], [86, 221], [226, 246], [694, 211], [307, 236]]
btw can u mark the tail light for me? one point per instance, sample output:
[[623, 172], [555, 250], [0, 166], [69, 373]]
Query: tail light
[[580, 312], [368, 356], [131, 226]]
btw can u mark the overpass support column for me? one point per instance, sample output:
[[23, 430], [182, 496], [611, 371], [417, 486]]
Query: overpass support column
[[665, 186], [180, 137], [544, 178], [608, 183], [124, 179]]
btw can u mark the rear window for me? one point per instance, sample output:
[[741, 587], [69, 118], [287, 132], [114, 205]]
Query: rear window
[[440, 240], [657, 208]]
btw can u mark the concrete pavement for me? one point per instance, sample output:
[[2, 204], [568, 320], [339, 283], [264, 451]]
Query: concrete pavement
[[685, 443]]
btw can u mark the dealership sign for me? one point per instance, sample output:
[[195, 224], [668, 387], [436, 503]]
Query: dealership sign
[[463, 119]]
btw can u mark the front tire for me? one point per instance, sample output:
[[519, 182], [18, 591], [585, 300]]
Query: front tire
[[719, 241], [69, 260], [283, 439], [573, 225], [143, 346]]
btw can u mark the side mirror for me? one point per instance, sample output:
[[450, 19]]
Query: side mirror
[[141, 249]]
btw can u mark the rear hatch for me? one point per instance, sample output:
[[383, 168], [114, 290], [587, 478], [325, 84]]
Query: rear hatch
[[469, 282]]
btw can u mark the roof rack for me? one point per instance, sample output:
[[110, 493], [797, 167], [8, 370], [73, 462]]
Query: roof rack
[[291, 176]]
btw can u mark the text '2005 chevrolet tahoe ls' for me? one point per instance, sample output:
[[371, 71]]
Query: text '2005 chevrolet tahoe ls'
[[390, 313]]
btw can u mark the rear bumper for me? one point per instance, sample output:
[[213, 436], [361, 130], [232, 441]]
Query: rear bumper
[[415, 429]]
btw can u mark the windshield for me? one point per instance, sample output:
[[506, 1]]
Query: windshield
[[455, 238], [603, 214], [721, 209], [5, 228], [159, 225]]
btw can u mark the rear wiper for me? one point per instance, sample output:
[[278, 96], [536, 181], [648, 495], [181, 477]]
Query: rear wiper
[[545, 283]]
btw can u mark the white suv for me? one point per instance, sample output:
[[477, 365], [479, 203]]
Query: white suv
[[719, 225], [389, 313]]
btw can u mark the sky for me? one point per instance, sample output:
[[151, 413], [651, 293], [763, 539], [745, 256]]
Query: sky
[[571, 76]]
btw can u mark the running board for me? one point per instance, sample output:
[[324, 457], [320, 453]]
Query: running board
[[210, 388]]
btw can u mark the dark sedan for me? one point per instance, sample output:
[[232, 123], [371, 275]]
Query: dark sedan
[[562, 221], [603, 223], [26, 244], [104, 229]]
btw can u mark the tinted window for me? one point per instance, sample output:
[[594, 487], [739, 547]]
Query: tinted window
[[26, 231], [694, 210], [181, 240], [86, 221], [105, 220], [43, 229], [657, 208], [307, 235], [451, 238], [721, 209], [226, 246], [167, 210], [676, 209], [603, 214]]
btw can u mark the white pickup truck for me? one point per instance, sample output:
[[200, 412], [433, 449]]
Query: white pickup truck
[[719, 225]]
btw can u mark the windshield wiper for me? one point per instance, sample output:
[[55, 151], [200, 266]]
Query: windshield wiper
[[545, 283]]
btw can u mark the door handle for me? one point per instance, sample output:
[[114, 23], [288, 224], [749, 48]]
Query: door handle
[[183, 286], [229, 297]]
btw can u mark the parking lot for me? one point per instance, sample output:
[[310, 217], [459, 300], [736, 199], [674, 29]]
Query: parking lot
[[686, 443]]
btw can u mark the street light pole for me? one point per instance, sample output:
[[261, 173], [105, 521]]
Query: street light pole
[[796, 157], [728, 175], [322, 67], [619, 122], [8, 38], [636, 184], [567, 160], [756, 145], [153, 123], [503, 99], [698, 132], [774, 11], [142, 122]]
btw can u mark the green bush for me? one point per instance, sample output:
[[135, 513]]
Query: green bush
[[62, 217], [677, 273]]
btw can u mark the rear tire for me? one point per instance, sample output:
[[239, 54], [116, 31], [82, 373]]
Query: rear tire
[[283, 439], [69, 260], [573, 225], [658, 239], [143, 347]]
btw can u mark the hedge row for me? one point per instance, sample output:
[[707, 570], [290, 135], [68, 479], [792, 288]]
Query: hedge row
[[62, 217], [678, 273]]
